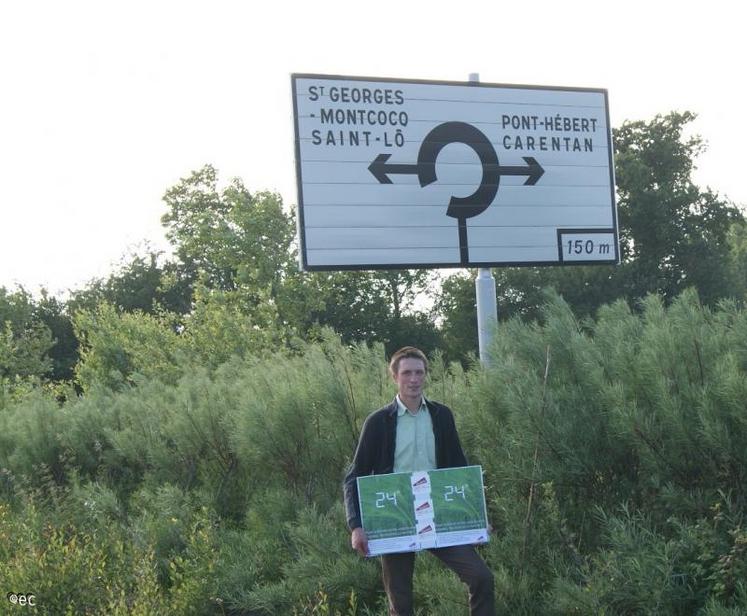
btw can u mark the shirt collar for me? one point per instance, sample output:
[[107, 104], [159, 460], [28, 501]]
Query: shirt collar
[[402, 409]]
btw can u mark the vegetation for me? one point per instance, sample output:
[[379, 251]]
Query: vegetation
[[172, 438], [615, 485]]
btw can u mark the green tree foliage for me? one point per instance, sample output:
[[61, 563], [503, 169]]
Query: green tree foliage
[[673, 234], [116, 345], [77, 558], [372, 306], [224, 324], [64, 353], [260, 442], [142, 282], [25, 340], [349, 302], [456, 306], [229, 236], [737, 240]]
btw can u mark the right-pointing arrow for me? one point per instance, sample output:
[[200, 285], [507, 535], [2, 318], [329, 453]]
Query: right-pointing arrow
[[533, 169]]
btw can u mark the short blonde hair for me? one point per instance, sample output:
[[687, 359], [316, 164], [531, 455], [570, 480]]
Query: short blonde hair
[[403, 353]]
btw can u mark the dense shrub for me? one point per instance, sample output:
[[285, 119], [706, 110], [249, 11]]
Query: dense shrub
[[75, 571], [614, 450], [636, 424]]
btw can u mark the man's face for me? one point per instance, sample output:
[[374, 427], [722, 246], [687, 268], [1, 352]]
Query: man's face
[[410, 378]]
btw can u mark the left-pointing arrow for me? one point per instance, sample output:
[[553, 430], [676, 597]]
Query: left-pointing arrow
[[381, 170]]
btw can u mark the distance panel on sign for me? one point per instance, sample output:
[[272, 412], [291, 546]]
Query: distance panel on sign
[[395, 174]]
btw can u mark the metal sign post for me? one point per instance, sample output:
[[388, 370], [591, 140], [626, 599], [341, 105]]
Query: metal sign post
[[487, 303]]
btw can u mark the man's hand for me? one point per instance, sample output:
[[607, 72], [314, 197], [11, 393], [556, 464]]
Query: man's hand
[[359, 541]]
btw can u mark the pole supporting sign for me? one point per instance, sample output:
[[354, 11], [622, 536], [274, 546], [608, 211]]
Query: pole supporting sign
[[405, 174]]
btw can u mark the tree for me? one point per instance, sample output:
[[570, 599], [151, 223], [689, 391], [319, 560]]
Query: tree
[[237, 249], [224, 324], [115, 345], [456, 308], [147, 282], [373, 306], [25, 340], [672, 233], [141, 284], [64, 353], [228, 236], [738, 250]]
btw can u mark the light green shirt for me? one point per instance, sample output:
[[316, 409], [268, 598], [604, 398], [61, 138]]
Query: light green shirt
[[415, 448]]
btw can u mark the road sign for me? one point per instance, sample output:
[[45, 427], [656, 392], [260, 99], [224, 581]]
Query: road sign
[[407, 512], [406, 174]]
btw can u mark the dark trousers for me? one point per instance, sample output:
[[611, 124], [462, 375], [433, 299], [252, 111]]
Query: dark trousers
[[397, 570]]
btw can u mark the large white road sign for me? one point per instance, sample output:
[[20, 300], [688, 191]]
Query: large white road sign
[[395, 174]]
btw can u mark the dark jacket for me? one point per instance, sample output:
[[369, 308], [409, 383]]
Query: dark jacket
[[375, 452]]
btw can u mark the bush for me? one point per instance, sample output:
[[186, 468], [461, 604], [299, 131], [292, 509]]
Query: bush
[[76, 572], [614, 450]]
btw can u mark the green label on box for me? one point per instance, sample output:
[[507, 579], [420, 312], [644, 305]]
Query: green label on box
[[387, 505], [458, 500], [403, 512]]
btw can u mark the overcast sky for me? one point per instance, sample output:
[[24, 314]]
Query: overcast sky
[[105, 105]]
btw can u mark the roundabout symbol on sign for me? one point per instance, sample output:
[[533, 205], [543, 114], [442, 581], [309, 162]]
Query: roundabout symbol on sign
[[460, 208]]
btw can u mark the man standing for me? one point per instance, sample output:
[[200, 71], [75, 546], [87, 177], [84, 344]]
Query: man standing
[[413, 434]]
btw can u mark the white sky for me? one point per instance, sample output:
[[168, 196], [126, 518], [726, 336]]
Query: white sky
[[105, 105]]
